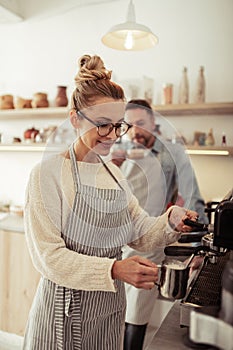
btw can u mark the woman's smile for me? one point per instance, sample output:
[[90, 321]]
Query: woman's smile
[[105, 145]]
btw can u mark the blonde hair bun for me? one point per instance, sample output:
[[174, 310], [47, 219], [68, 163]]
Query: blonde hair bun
[[93, 82], [91, 68]]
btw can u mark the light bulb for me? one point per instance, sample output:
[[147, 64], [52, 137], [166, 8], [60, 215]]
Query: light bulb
[[129, 41]]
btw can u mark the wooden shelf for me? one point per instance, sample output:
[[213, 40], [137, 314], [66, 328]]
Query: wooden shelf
[[41, 147], [219, 108], [210, 150], [35, 113], [33, 147]]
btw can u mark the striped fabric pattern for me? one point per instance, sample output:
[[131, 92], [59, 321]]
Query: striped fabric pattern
[[68, 319]]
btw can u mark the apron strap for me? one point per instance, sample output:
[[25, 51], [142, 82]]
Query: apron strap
[[74, 167], [64, 310]]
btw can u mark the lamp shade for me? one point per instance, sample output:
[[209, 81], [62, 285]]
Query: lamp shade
[[130, 36]]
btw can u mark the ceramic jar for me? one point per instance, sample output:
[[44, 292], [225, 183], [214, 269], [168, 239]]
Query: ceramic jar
[[23, 103], [61, 99], [40, 100], [30, 134], [6, 102]]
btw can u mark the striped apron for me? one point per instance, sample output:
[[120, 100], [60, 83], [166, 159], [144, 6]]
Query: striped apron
[[68, 319]]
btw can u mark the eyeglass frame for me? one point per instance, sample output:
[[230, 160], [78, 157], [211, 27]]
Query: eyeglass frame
[[98, 125]]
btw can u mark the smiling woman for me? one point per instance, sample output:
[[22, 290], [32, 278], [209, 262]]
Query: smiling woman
[[79, 214], [106, 117], [104, 128], [100, 102]]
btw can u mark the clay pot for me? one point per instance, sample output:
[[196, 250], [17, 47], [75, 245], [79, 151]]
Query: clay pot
[[23, 103], [40, 100], [30, 134], [6, 102], [61, 99]]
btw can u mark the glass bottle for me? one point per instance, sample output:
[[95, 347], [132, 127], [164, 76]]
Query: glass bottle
[[224, 140], [167, 94], [184, 87], [210, 138], [200, 87]]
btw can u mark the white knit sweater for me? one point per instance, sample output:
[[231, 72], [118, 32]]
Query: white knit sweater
[[49, 199]]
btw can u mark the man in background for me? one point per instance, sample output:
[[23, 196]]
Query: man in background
[[160, 175]]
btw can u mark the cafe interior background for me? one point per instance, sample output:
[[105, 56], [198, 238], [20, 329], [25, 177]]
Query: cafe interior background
[[41, 42], [40, 51]]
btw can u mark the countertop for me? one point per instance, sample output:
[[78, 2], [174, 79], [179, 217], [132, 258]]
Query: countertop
[[170, 335], [11, 222]]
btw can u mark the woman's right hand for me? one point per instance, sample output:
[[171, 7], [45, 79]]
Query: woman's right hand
[[136, 270]]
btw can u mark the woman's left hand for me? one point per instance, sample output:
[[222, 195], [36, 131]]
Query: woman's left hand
[[177, 217]]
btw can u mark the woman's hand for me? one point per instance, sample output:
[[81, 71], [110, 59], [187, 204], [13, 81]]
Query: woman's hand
[[136, 270], [177, 217]]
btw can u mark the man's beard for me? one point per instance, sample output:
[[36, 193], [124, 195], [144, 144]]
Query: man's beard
[[143, 140], [140, 139]]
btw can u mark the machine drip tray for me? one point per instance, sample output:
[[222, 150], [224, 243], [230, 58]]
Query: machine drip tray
[[205, 290], [190, 344]]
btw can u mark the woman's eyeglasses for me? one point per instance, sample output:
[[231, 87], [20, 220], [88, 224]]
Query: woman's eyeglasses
[[104, 129]]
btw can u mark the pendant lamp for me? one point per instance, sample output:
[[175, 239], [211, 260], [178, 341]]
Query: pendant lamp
[[130, 36]]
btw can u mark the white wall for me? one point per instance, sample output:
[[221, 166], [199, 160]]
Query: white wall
[[41, 52]]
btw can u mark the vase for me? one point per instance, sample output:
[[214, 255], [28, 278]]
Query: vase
[[184, 87], [200, 87], [40, 100], [23, 103], [210, 138], [61, 99], [6, 102]]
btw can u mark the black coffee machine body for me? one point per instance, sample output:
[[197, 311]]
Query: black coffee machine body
[[223, 223], [216, 327]]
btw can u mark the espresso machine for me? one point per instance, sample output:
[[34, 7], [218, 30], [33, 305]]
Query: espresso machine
[[207, 308]]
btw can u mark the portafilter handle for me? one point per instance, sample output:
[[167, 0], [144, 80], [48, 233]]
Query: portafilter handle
[[199, 226], [192, 237], [174, 250]]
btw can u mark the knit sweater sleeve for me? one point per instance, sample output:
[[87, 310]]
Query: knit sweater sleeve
[[150, 232], [48, 250]]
